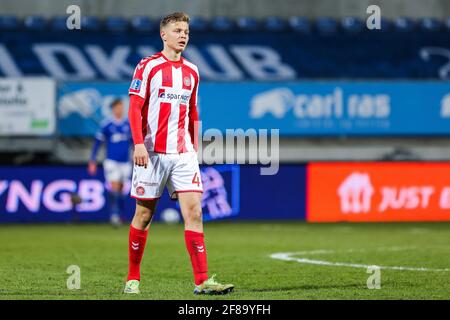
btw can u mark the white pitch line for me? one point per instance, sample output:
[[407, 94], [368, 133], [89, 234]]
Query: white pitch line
[[287, 256]]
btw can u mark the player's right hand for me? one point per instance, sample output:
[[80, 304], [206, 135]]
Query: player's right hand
[[140, 155]]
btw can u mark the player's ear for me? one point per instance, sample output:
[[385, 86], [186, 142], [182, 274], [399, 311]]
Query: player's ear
[[163, 35]]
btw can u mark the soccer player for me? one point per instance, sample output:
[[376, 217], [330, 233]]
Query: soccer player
[[117, 167], [163, 116]]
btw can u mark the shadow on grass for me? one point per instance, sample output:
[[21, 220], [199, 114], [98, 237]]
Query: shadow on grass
[[310, 287]]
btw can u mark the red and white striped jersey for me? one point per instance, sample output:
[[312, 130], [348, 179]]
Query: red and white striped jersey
[[169, 89]]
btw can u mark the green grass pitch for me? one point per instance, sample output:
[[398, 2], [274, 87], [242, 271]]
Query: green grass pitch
[[34, 260]]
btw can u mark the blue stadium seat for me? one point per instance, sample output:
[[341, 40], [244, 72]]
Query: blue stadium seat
[[143, 24], [197, 23], [326, 25], [59, 23], [447, 24], [275, 24], [116, 24], [430, 24], [90, 23], [247, 24], [353, 24], [222, 23], [404, 24], [300, 24], [9, 23], [386, 24], [36, 23]]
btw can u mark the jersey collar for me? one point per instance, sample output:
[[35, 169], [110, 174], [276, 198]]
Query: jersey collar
[[174, 63]]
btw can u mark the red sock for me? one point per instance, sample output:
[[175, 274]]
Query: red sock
[[195, 244], [136, 246]]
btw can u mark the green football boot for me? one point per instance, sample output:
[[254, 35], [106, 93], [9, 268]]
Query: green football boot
[[132, 286], [211, 286]]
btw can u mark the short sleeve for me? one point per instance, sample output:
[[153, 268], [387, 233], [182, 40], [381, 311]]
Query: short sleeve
[[140, 80]]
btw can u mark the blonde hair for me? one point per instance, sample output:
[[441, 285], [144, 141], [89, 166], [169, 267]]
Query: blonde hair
[[174, 17]]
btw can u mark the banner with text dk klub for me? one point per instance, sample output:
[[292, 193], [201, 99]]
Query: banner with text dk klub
[[378, 192]]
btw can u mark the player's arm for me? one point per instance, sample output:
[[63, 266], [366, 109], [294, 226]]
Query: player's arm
[[193, 116], [138, 94], [99, 139], [140, 154]]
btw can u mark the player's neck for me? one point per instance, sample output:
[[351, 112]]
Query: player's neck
[[171, 54]]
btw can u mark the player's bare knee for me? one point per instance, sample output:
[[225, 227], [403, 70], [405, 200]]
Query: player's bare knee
[[144, 215], [144, 212], [194, 213]]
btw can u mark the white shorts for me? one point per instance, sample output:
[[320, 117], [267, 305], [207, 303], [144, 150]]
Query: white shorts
[[116, 171], [180, 172]]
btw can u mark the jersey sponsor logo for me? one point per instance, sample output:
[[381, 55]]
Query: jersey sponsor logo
[[140, 191], [135, 84], [173, 96]]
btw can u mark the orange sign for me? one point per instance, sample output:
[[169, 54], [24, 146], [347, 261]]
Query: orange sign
[[378, 192]]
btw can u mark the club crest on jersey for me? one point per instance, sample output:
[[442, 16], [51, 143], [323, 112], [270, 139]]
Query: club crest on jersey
[[140, 191], [135, 84], [187, 81]]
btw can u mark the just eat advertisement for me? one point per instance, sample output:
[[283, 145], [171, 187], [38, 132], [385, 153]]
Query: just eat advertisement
[[378, 192]]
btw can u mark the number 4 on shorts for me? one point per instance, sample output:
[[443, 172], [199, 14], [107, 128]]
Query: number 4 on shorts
[[196, 180]]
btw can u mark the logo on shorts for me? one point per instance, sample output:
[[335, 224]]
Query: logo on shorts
[[140, 191], [149, 184], [187, 81]]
